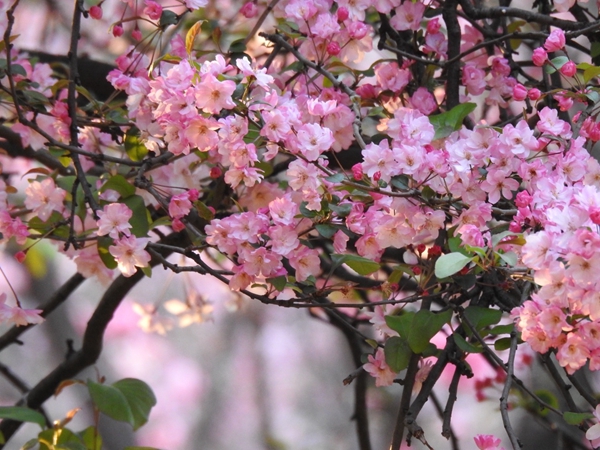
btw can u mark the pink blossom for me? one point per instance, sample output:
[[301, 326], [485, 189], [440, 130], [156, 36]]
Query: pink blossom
[[213, 95], [17, 315], [573, 354], [471, 235], [391, 77], [313, 140], [378, 369], [424, 101], [113, 220], [129, 253], [408, 16], [261, 261], [201, 133], [44, 198], [486, 441], [306, 262], [593, 432], [153, 10], [474, 79]]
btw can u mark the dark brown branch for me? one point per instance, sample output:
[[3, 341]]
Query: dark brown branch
[[453, 68], [478, 13]]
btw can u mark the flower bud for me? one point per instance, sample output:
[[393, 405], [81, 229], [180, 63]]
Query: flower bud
[[519, 92], [534, 94], [249, 10], [569, 69], [342, 13], [539, 56], [96, 12], [117, 31], [333, 48]]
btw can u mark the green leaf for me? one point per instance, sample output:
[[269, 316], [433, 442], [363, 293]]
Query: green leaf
[[168, 17], [547, 397], [22, 414], [481, 317], [278, 282], [139, 397], [237, 46], [451, 263], [510, 258], [448, 122], [103, 243], [400, 324], [595, 49], [140, 225], [134, 147], [466, 346], [326, 230], [336, 177], [307, 212], [557, 63], [120, 184], [424, 326], [502, 329], [110, 401], [573, 418], [91, 438], [67, 440], [397, 353], [341, 210], [502, 344], [360, 265]]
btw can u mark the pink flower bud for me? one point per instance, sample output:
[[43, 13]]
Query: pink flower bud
[[136, 34], [569, 69], [117, 31], [377, 176], [193, 195], [433, 26], [249, 10], [215, 172], [342, 13], [357, 171], [539, 56], [20, 256], [595, 132], [96, 12], [177, 225], [595, 215], [366, 91], [333, 48], [556, 40], [519, 92], [534, 94]]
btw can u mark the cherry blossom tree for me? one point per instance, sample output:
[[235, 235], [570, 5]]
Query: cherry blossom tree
[[419, 174]]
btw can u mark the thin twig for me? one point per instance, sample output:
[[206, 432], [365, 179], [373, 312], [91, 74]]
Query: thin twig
[[514, 440]]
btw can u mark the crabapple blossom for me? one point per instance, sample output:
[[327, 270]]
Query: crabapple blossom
[[113, 220], [378, 369], [129, 252], [44, 197]]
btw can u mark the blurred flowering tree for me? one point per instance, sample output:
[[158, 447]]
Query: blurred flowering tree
[[418, 174]]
